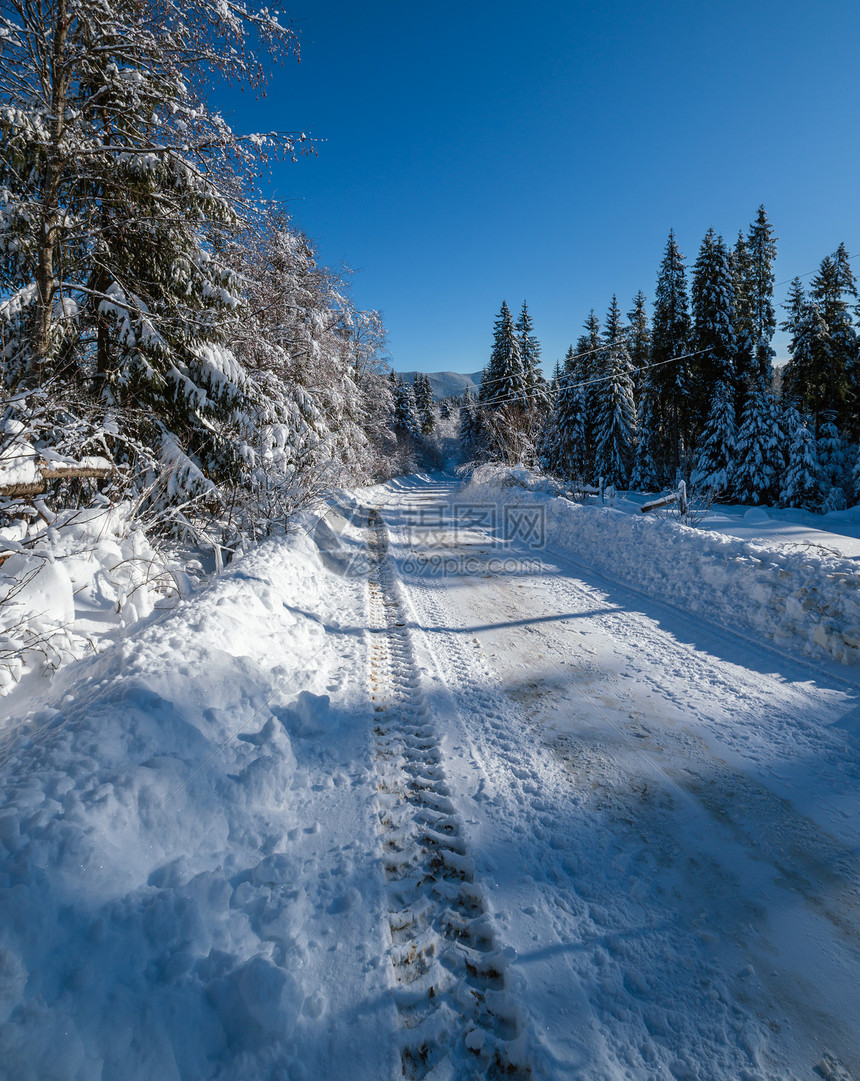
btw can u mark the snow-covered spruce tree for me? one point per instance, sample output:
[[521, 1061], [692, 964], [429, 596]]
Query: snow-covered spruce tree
[[804, 378], [745, 362], [588, 361], [761, 256], [504, 396], [530, 351], [714, 337], [616, 413], [832, 460], [563, 445], [832, 389], [639, 341], [645, 475], [715, 455], [118, 185], [424, 403], [504, 381], [670, 374], [321, 403], [754, 478], [801, 485], [473, 433]]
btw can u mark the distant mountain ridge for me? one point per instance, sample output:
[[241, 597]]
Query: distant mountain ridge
[[447, 384]]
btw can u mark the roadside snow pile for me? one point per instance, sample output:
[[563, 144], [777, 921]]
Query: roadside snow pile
[[64, 584], [796, 598], [183, 879]]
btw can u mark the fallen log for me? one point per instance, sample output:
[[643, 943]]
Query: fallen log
[[88, 469]]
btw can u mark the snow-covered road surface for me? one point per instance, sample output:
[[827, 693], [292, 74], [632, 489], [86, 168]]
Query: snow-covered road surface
[[665, 816], [428, 803]]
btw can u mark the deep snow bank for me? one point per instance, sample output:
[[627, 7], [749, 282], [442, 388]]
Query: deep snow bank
[[168, 820], [66, 586], [797, 599]]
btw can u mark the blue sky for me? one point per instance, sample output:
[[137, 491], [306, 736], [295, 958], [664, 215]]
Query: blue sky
[[471, 153]]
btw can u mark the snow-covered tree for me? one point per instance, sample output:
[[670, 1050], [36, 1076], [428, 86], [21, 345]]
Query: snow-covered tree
[[424, 403], [645, 475], [754, 476], [639, 340], [670, 341], [831, 290], [119, 186], [715, 455], [616, 414], [563, 446], [504, 379], [801, 486], [713, 327], [761, 256], [745, 362], [832, 460]]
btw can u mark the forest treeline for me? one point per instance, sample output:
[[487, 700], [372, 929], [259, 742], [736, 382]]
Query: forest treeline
[[690, 392]]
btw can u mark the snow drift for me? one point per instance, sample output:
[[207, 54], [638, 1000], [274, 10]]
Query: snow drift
[[797, 599]]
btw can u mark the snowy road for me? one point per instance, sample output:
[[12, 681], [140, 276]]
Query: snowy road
[[664, 816], [397, 797]]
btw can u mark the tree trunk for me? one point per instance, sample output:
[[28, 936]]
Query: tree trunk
[[46, 243]]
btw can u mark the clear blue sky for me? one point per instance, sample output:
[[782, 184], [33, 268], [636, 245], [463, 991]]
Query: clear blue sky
[[480, 152]]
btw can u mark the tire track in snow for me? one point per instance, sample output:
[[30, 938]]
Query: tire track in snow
[[459, 1020]]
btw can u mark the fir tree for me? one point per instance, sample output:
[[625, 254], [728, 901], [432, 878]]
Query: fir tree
[[805, 380], [801, 484], [424, 403], [563, 450], [670, 373], [832, 464], [530, 351], [714, 333], [586, 367], [639, 340], [832, 385], [119, 189], [716, 453], [406, 419], [745, 358], [754, 472], [646, 474], [761, 251], [616, 414], [504, 379]]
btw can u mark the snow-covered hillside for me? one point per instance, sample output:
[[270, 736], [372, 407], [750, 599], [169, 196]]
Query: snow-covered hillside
[[457, 782]]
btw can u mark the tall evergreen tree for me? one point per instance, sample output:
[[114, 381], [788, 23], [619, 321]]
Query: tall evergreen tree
[[564, 450], [832, 289], [616, 413], [761, 250], [120, 189], [639, 340], [587, 368], [715, 456], [754, 476], [714, 333], [802, 483], [740, 262], [504, 379], [646, 475], [670, 341], [424, 403]]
